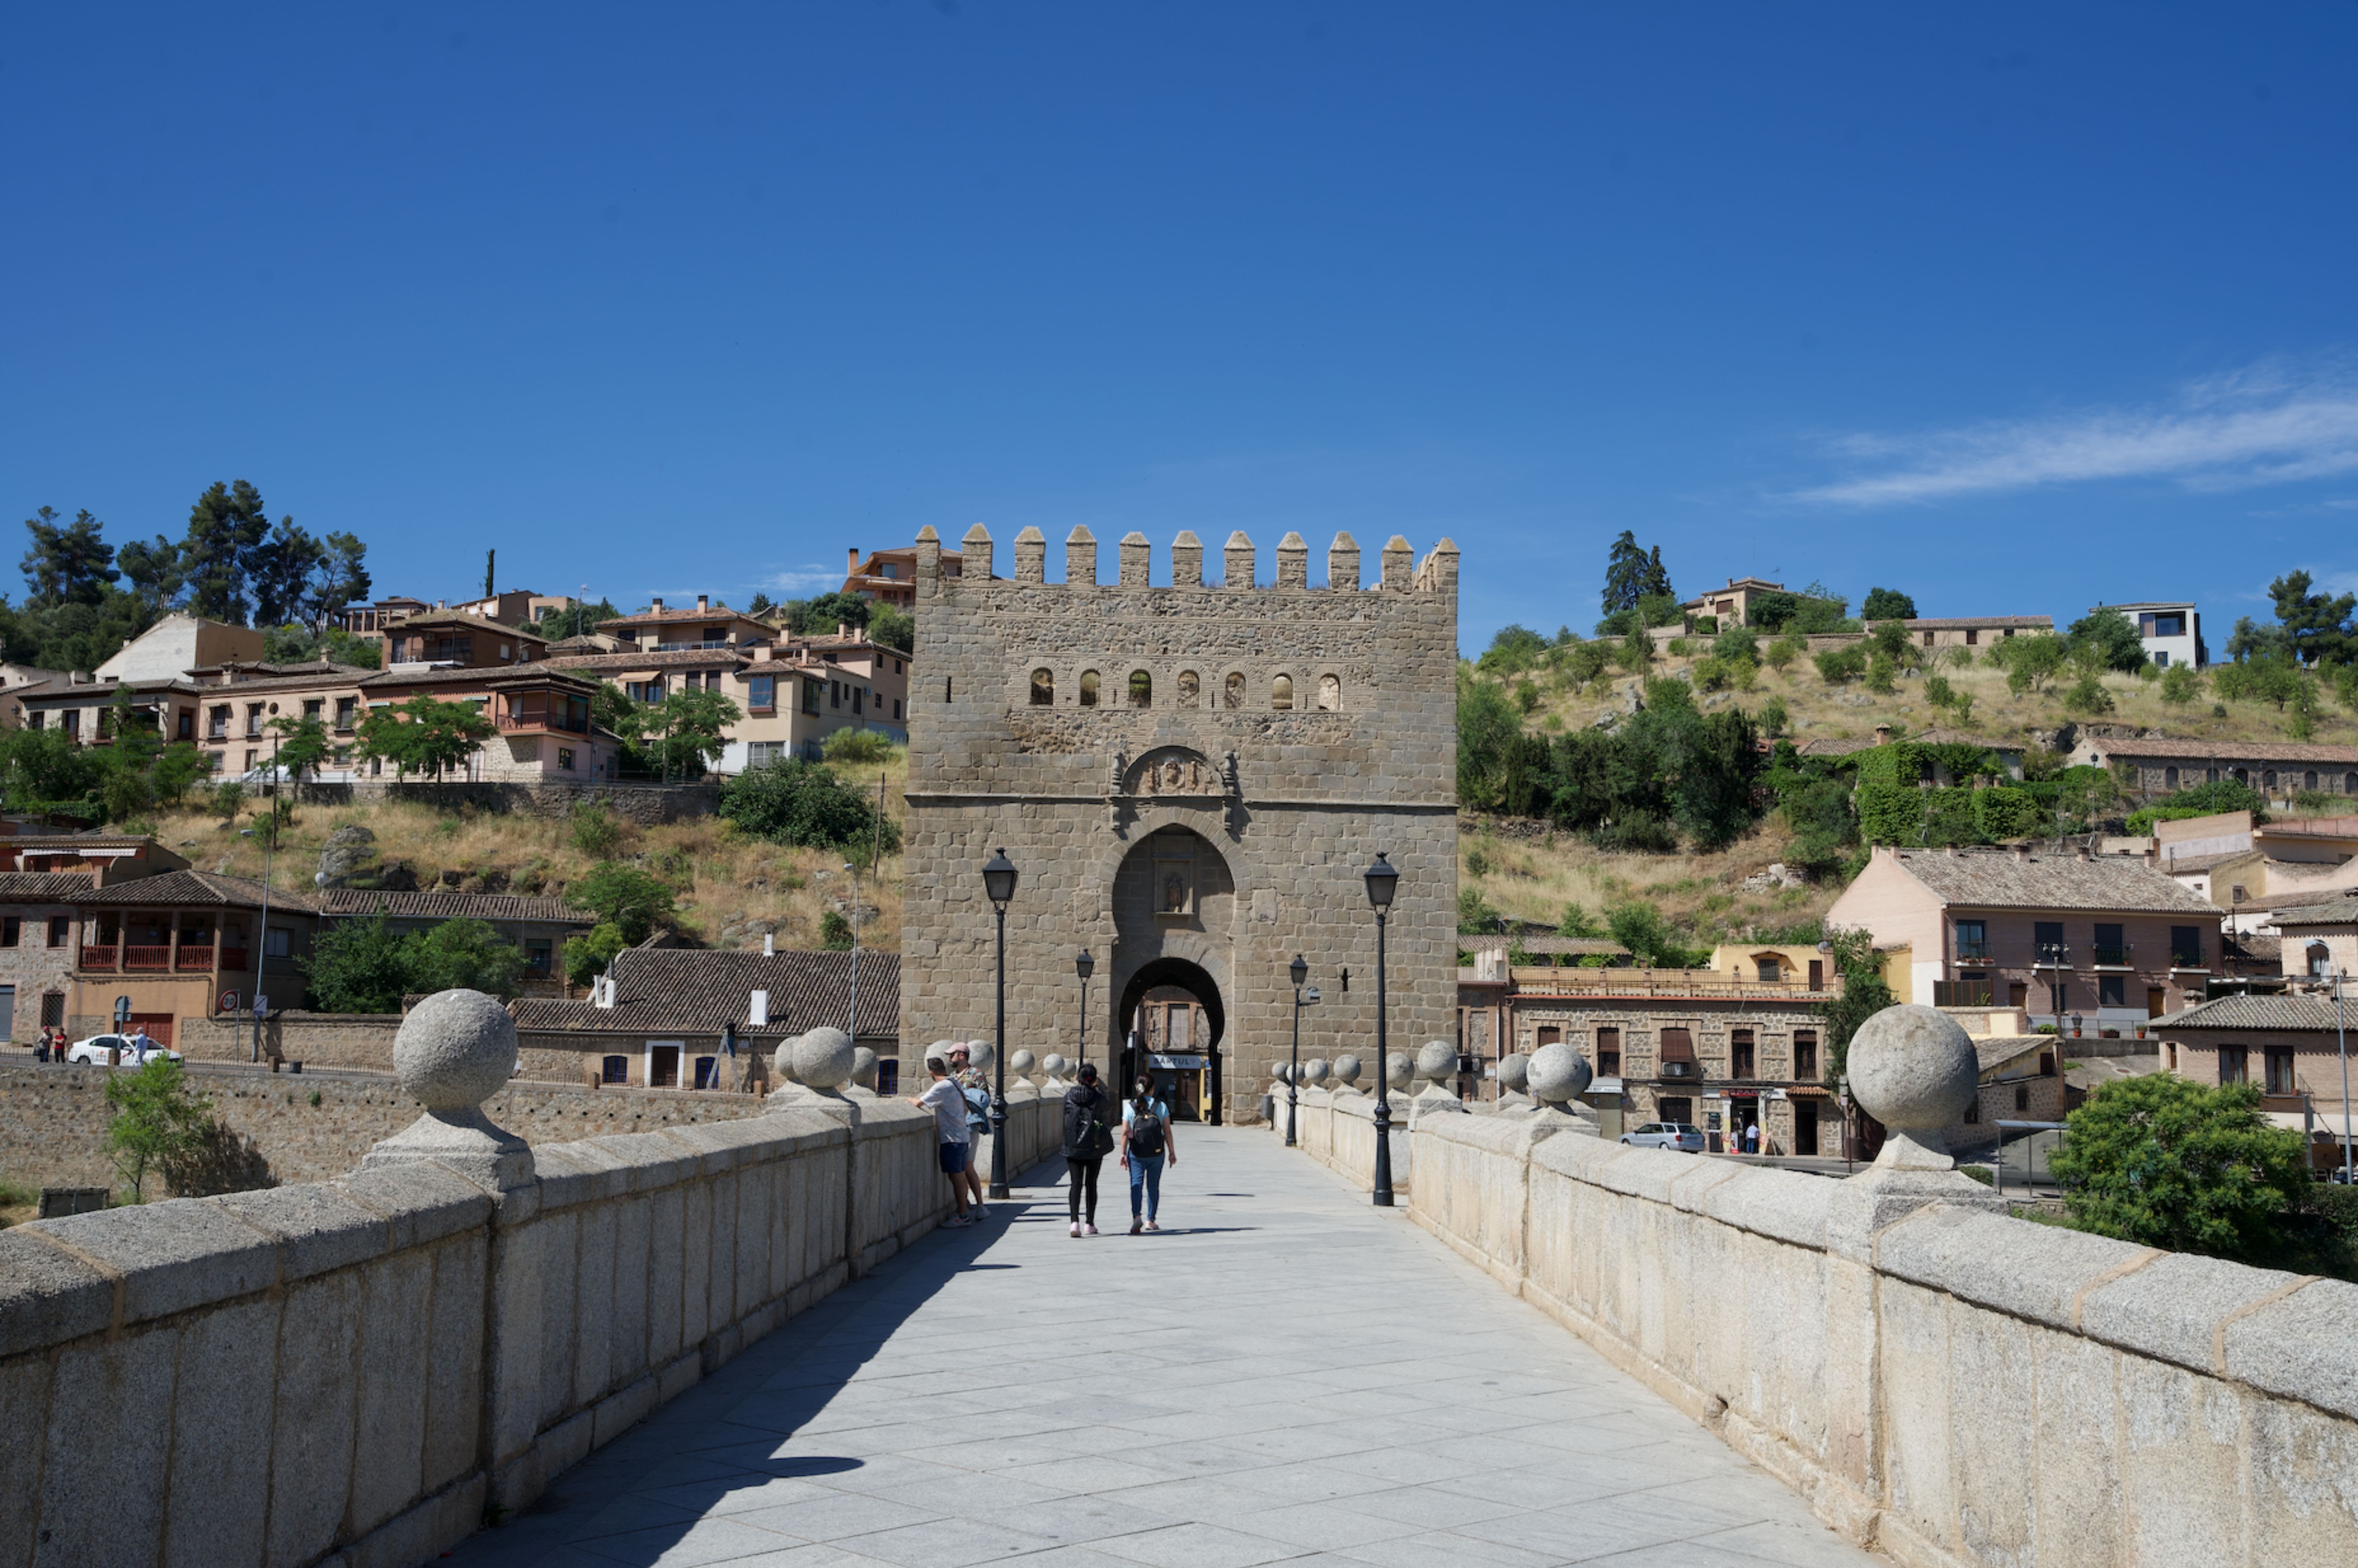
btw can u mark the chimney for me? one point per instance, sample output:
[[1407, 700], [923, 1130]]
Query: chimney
[[658, 610], [850, 559], [769, 944], [601, 991], [1883, 734], [703, 603], [2083, 851], [2022, 851], [757, 1006]]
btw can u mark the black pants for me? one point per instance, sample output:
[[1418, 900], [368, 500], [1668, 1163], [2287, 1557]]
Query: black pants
[[1080, 1172]]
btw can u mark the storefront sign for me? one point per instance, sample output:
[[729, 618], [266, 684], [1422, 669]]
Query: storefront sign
[[1177, 1063]]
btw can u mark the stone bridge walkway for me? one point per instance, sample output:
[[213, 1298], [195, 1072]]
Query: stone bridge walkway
[[1285, 1374]]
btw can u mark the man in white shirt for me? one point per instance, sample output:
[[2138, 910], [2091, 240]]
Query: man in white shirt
[[942, 1098]]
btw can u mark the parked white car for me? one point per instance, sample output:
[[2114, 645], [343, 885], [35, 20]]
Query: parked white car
[[94, 1051], [1682, 1136]]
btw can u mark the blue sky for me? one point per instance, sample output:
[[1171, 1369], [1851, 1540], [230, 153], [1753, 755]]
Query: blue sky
[[2016, 308]]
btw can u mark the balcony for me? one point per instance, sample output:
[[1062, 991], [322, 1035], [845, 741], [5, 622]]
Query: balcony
[[193, 959], [2051, 956], [1973, 953], [147, 957], [1963, 993], [2185, 958], [219, 734], [99, 957], [2112, 957], [543, 721], [691, 647]]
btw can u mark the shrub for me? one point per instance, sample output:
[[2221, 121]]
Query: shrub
[[794, 802], [1838, 665], [2088, 698], [627, 897], [1639, 832], [1474, 915], [1634, 652], [1773, 717], [1887, 604], [2180, 683], [1680, 647], [585, 957], [2167, 1162], [1712, 673], [860, 746], [834, 932], [1937, 692], [1882, 671], [1477, 864], [1784, 650], [154, 1119], [1527, 696], [596, 831]]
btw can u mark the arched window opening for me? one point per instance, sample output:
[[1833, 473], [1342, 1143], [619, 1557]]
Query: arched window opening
[[1088, 688], [617, 1069], [1281, 694], [1043, 689], [2268, 779], [2242, 775], [2320, 960], [1236, 690], [1141, 689], [1190, 689], [2310, 782], [1330, 693], [2169, 778], [2350, 784]]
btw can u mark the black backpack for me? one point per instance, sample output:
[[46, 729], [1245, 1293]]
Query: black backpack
[[1086, 1137], [1145, 1133]]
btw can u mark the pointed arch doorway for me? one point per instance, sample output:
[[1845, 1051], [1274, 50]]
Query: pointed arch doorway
[[1172, 1019]]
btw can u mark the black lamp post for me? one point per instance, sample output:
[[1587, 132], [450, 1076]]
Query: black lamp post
[[1382, 881], [1298, 972], [1084, 966], [998, 885]]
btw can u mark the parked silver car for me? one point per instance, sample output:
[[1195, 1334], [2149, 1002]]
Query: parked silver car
[[1678, 1135]]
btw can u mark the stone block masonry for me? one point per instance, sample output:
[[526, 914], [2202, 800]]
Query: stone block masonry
[[1190, 781], [358, 1371], [1951, 1387]]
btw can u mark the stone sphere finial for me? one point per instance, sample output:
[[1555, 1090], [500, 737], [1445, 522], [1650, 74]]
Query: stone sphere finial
[[1054, 1065], [1515, 1072], [1557, 1075], [824, 1058], [455, 1050], [980, 1054], [1281, 1072], [863, 1066], [1314, 1071], [1398, 1069], [1021, 1062], [1346, 1070], [1437, 1060], [1913, 1068]]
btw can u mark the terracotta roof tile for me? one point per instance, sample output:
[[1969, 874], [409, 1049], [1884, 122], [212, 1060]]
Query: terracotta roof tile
[[2224, 751], [197, 888], [43, 887], [436, 905], [1998, 879], [2257, 1010], [694, 992]]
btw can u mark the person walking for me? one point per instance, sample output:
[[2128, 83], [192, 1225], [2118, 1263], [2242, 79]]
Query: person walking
[[1146, 1144], [949, 1106], [976, 1091], [1087, 1141]]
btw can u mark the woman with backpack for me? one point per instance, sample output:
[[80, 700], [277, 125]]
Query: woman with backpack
[[1087, 1141], [1146, 1143]]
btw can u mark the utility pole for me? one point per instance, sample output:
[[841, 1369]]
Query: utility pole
[[2342, 1035], [852, 1028]]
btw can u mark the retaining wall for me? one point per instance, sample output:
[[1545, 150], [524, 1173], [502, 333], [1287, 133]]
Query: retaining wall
[[1952, 1386], [352, 1372]]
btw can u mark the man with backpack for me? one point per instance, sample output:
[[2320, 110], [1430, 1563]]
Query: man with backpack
[[1147, 1142], [1087, 1141], [977, 1095]]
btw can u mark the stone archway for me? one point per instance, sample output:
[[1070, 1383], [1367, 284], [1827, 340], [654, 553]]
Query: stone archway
[[1174, 914]]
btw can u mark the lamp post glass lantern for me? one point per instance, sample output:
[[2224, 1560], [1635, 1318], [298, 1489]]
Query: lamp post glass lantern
[[1383, 880], [1084, 966], [999, 886], [1297, 972]]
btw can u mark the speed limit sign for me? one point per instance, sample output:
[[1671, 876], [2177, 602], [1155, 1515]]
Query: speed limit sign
[[229, 1002]]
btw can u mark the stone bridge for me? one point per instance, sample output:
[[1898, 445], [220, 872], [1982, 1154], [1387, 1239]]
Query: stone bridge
[[740, 1343]]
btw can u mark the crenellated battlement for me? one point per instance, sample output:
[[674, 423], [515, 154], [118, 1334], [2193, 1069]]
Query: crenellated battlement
[[1398, 572]]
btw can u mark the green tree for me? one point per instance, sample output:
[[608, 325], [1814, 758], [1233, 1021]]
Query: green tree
[[2088, 698], [2315, 627], [2180, 685], [1882, 673], [2109, 640], [624, 896], [692, 728], [340, 575], [69, 563], [822, 615], [1852, 956], [834, 932], [585, 957], [894, 628], [1641, 928], [1839, 665], [423, 735], [578, 619], [279, 571], [357, 966], [153, 1117], [1578, 922], [154, 571], [2031, 663], [793, 802], [462, 954], [2164, 1162], [303, 745], [178, 769], [1887, 604], [857, 747], [1632, 573], [1476, 917], [226, 526]]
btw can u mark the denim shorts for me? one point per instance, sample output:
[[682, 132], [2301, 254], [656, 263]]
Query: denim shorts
[[954, 1158]]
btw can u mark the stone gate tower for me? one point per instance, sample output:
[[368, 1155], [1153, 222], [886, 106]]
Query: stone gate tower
[[1190, 781]]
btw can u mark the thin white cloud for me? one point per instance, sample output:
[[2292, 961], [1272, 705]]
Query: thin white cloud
[[2259, 427], [804, 579]]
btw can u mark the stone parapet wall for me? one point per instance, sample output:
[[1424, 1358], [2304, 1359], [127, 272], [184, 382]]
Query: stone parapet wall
[[356, 1040], [355, 1371], [1950, 1386], [1338, 1128]]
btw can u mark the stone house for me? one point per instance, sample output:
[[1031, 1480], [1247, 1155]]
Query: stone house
[[455, 638], [1732, 605], [2021, 1078], [2288, 1044], [664, 1017], [2106, 943], [2277, 769], [2319, 940], [1976, 632], [1190, 782], [1701, 1046]]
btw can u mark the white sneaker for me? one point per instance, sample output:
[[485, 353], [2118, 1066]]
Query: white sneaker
[[1077, 1228], [1152, 1225], [1088, 1231]]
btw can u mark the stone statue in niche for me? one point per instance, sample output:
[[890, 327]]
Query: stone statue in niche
[[1190, 689], [1236, 690]]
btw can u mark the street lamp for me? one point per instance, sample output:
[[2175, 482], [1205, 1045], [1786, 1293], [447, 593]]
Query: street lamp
[[1084, 966], [1298, 972], [1382, 879], [999, 886]]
